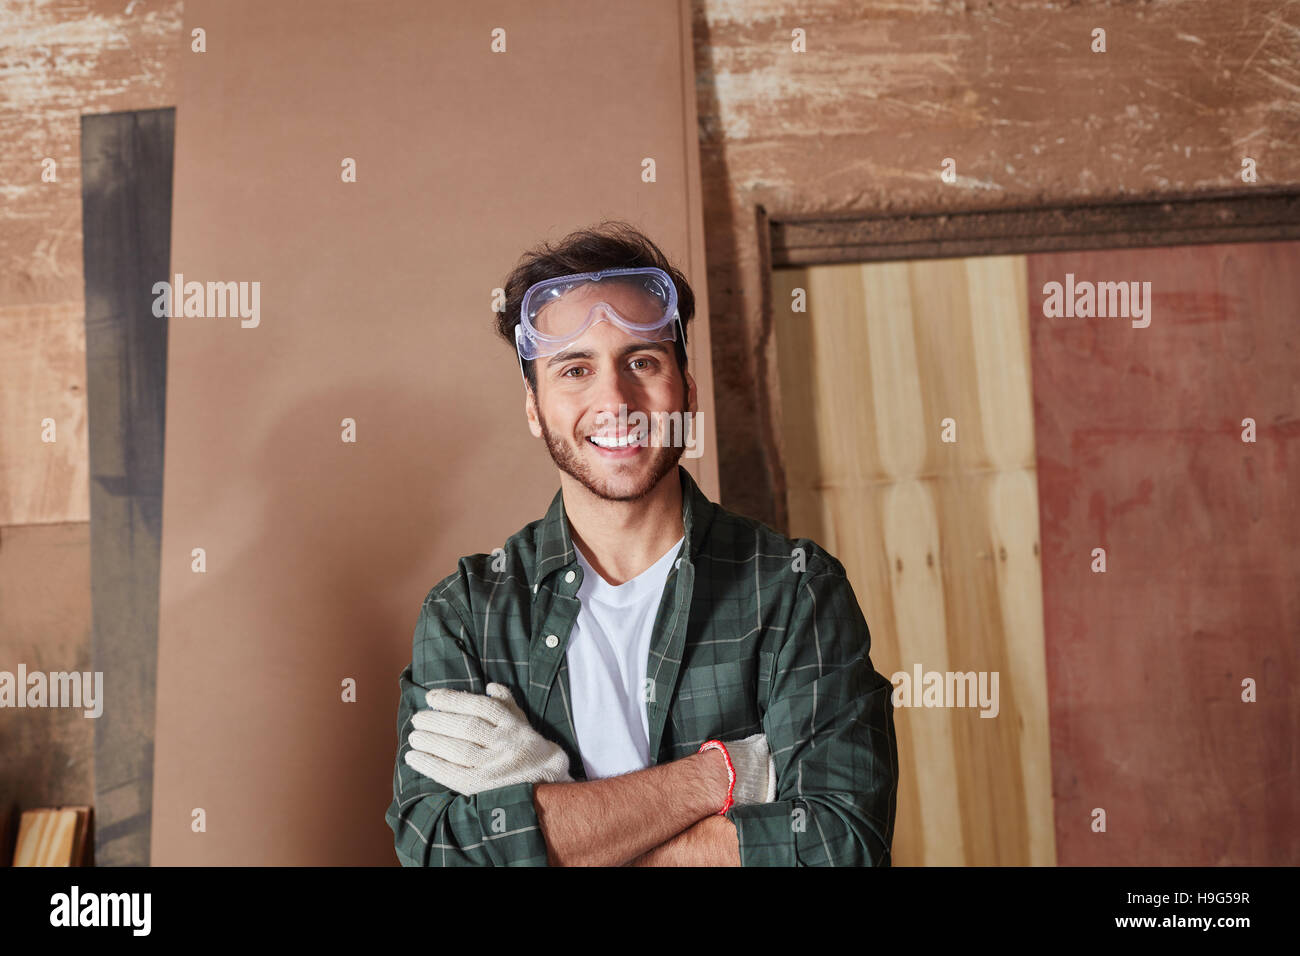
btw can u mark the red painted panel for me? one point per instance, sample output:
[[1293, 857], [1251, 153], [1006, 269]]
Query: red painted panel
[[1140, 452]]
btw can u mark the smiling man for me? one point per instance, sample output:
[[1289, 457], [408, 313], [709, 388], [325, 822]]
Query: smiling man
[[640, 677]]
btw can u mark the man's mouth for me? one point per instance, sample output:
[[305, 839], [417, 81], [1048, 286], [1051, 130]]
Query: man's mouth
[[615, 441]]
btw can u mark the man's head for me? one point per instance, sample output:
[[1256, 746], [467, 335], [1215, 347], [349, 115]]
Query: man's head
[[578, 392]]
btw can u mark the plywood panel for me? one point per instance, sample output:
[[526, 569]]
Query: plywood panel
[[1140, 450], [376, 304], [940, 539]]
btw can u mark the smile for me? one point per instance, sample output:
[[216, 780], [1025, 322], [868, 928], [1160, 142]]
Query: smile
[[611, 441]]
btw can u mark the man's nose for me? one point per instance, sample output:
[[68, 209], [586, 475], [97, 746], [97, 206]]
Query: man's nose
[[612, 387], [615, 386]]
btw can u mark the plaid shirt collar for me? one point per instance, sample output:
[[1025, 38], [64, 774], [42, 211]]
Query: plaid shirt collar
[[555, 549]]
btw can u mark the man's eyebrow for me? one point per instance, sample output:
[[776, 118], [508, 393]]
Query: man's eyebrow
[[570, 354]]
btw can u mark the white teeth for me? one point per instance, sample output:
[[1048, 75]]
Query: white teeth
[[612, 442]]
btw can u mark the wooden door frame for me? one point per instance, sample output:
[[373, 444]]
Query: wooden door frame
[[1260, 214]]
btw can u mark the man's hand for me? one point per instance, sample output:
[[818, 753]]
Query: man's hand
[[472, 742]]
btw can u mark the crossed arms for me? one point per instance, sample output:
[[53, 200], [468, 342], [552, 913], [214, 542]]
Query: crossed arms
[[828, 722], [653, 817], [656, 816]]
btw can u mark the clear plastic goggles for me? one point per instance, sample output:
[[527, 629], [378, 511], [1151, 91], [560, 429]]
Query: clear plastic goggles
[[556, 312]]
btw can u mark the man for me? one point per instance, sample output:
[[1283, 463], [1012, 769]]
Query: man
[[640, 677]]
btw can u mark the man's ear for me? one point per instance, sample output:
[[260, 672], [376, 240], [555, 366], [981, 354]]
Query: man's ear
[[530, 411], [692, 400]]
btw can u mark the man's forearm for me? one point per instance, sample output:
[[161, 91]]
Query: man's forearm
[[711, 842], [612, 821]]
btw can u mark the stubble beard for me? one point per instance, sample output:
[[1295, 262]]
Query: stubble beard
[[664, 458]]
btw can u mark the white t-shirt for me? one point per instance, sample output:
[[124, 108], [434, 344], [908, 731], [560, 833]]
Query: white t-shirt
[[607, 656]]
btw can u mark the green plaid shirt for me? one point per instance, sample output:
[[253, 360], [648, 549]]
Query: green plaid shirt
[[755, 632]]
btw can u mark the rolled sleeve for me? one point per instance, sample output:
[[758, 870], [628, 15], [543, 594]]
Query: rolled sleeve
[[829, 723]]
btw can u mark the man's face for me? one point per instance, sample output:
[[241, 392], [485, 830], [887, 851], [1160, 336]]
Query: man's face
[[580, 389]]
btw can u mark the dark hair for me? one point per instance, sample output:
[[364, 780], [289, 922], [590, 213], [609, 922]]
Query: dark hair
[[614, 244]]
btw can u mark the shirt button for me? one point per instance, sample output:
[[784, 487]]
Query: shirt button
[[552, 640], [568, 578]]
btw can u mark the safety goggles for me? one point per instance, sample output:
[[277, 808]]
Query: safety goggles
[[545, 327]]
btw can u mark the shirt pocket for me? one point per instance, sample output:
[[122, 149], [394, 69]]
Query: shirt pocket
[[716, 701]]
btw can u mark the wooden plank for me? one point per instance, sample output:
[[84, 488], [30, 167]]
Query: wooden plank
[[940, 540], [1257, 215], [126, 193], [53, 837], [1140, 448]]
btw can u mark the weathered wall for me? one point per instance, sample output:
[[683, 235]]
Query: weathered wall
[[862, 120], [859, 122], [58, 61]]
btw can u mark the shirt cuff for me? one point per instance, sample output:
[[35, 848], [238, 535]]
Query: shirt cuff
[[766, 832], [512, 835]]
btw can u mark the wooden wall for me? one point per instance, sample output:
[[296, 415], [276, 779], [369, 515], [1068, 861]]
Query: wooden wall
[[1140, 453], [1124, 736], [940, 538]]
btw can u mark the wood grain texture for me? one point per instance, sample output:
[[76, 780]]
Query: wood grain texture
[[53, 837], [861, 121], [1141, 454], [940, 540], [61, 59]]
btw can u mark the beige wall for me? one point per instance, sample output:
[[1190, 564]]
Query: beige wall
[[376, 306]]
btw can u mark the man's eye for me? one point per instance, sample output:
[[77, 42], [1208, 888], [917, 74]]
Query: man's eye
[[649, 362], [575, 368]]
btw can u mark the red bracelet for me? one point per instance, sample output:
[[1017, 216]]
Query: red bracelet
[[731, 770]]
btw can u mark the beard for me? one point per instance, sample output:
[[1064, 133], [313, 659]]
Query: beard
[[633, 478]]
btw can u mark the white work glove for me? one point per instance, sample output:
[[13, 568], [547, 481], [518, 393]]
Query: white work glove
[[472, 742], [755, 770]]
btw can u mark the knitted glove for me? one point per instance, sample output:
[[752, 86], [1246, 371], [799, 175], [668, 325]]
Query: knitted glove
[[751, 759], [755, 770], [473, 742]]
